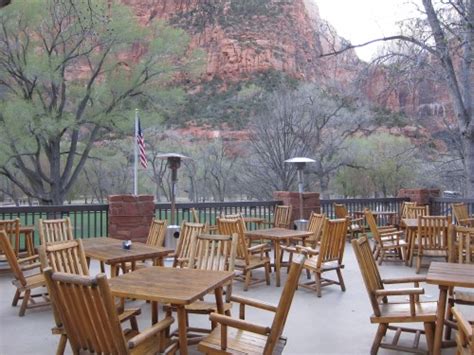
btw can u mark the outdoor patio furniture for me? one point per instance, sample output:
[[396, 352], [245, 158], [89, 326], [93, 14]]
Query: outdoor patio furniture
[[416, 211], [110, 251], [99, 331], [447, 276], [68, 257], [461, 214], [388, 309], [243, 337], [15, 230], [187, 232], [175, 286], [208, 228], [387, 241], [328, 257], [432, 238], [281, 217], [24, 283], [211, 252], [355, 225], [465, 335], [248, 258], [55, 230]]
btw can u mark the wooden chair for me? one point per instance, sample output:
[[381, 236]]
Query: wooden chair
[[388, 242], [68, 257], [281, 217], [395, 310], [355, 225], [465, 335], [98, 331], [416, 211], [461, 215], [55, 230], [12, 229], [207, 227], [209, 252], [24, 283], [238, 336], [328, 257], [404, 208], [432, 238], [248, 258], [183, 249]]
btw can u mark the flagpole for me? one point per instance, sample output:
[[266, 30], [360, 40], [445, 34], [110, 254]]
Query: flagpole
[[135, 160]]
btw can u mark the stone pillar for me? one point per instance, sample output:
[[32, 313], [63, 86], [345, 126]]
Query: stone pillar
[[130, 216], [311, 202], [421, 196]]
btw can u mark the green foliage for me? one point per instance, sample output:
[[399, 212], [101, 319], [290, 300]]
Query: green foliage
[[388, 118]]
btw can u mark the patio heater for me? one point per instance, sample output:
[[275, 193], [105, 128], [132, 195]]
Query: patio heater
[[173, 162], [300, 163]]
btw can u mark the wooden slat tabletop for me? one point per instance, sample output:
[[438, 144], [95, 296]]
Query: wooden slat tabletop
[[277, 233], [451, 274], [168, 285]]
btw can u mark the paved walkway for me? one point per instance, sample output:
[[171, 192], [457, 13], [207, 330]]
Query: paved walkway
[[336, 323]]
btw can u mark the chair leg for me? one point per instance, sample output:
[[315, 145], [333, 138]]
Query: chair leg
[[267, 273], [61, 344], [308, 274], [16, 298], [341, 280], [317, 279], [429, 333], [382, 255], [133, 323], [418, 262], [381, 331], [449, 317], [24, 304], [247, 280]]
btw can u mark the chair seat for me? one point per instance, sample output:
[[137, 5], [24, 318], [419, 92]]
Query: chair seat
[[394, 244], [238, 342], [435, 252], [32, 281], [149, 346], [311, 263], [254, 262], [400, 313], [464, 296]]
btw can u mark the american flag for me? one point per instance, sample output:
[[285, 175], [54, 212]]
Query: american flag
[[141, 146]]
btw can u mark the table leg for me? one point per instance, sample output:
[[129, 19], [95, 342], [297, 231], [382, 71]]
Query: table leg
[[182, 330], [219, 302], [443, 294], [154, 312], [276, 245], [113, 270]]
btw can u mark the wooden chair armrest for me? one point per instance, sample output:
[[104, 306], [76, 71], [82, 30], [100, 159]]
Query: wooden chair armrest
[[150, 332], [470, 219], [465, 326], [253, 303], [390, 233], [387, 229], [30, 266], [289, 248], [356, 219], [308, 250], [404, 280], [400, 292], [257, 247], [28, 259], [239, 324]]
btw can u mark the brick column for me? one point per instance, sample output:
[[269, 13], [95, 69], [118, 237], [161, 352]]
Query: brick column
[[130, 216], [311, 202], [421, 196]]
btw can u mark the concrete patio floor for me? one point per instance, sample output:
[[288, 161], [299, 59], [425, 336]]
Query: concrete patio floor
[[336, 323]]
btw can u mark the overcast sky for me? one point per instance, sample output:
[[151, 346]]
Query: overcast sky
[[362, 20]]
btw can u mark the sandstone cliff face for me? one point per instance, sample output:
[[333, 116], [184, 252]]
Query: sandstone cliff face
[[251, 36]]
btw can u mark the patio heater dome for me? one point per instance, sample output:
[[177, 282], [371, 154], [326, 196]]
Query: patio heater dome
[[174, 163], [300, 163]]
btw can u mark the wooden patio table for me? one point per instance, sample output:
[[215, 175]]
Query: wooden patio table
[[176, 286], [111, 252], [447, 275], [276, 236]]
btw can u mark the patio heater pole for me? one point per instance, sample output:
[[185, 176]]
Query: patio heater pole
[[300, 163]]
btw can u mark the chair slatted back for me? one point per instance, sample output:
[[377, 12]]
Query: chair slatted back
[[157, 233], [55, 230], [67, 257], [460, 212], [370, 218], [12, 229], [433, 232], [316, 226], [463, 237], [369, 270], [405, 205], [11, 257], [194, 215], [332, 241], [283, 308], [226, 226], [416, 211], [214, 252], [340, 211], [187, 233], [282, 216], [465, 334], [88, 312]]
